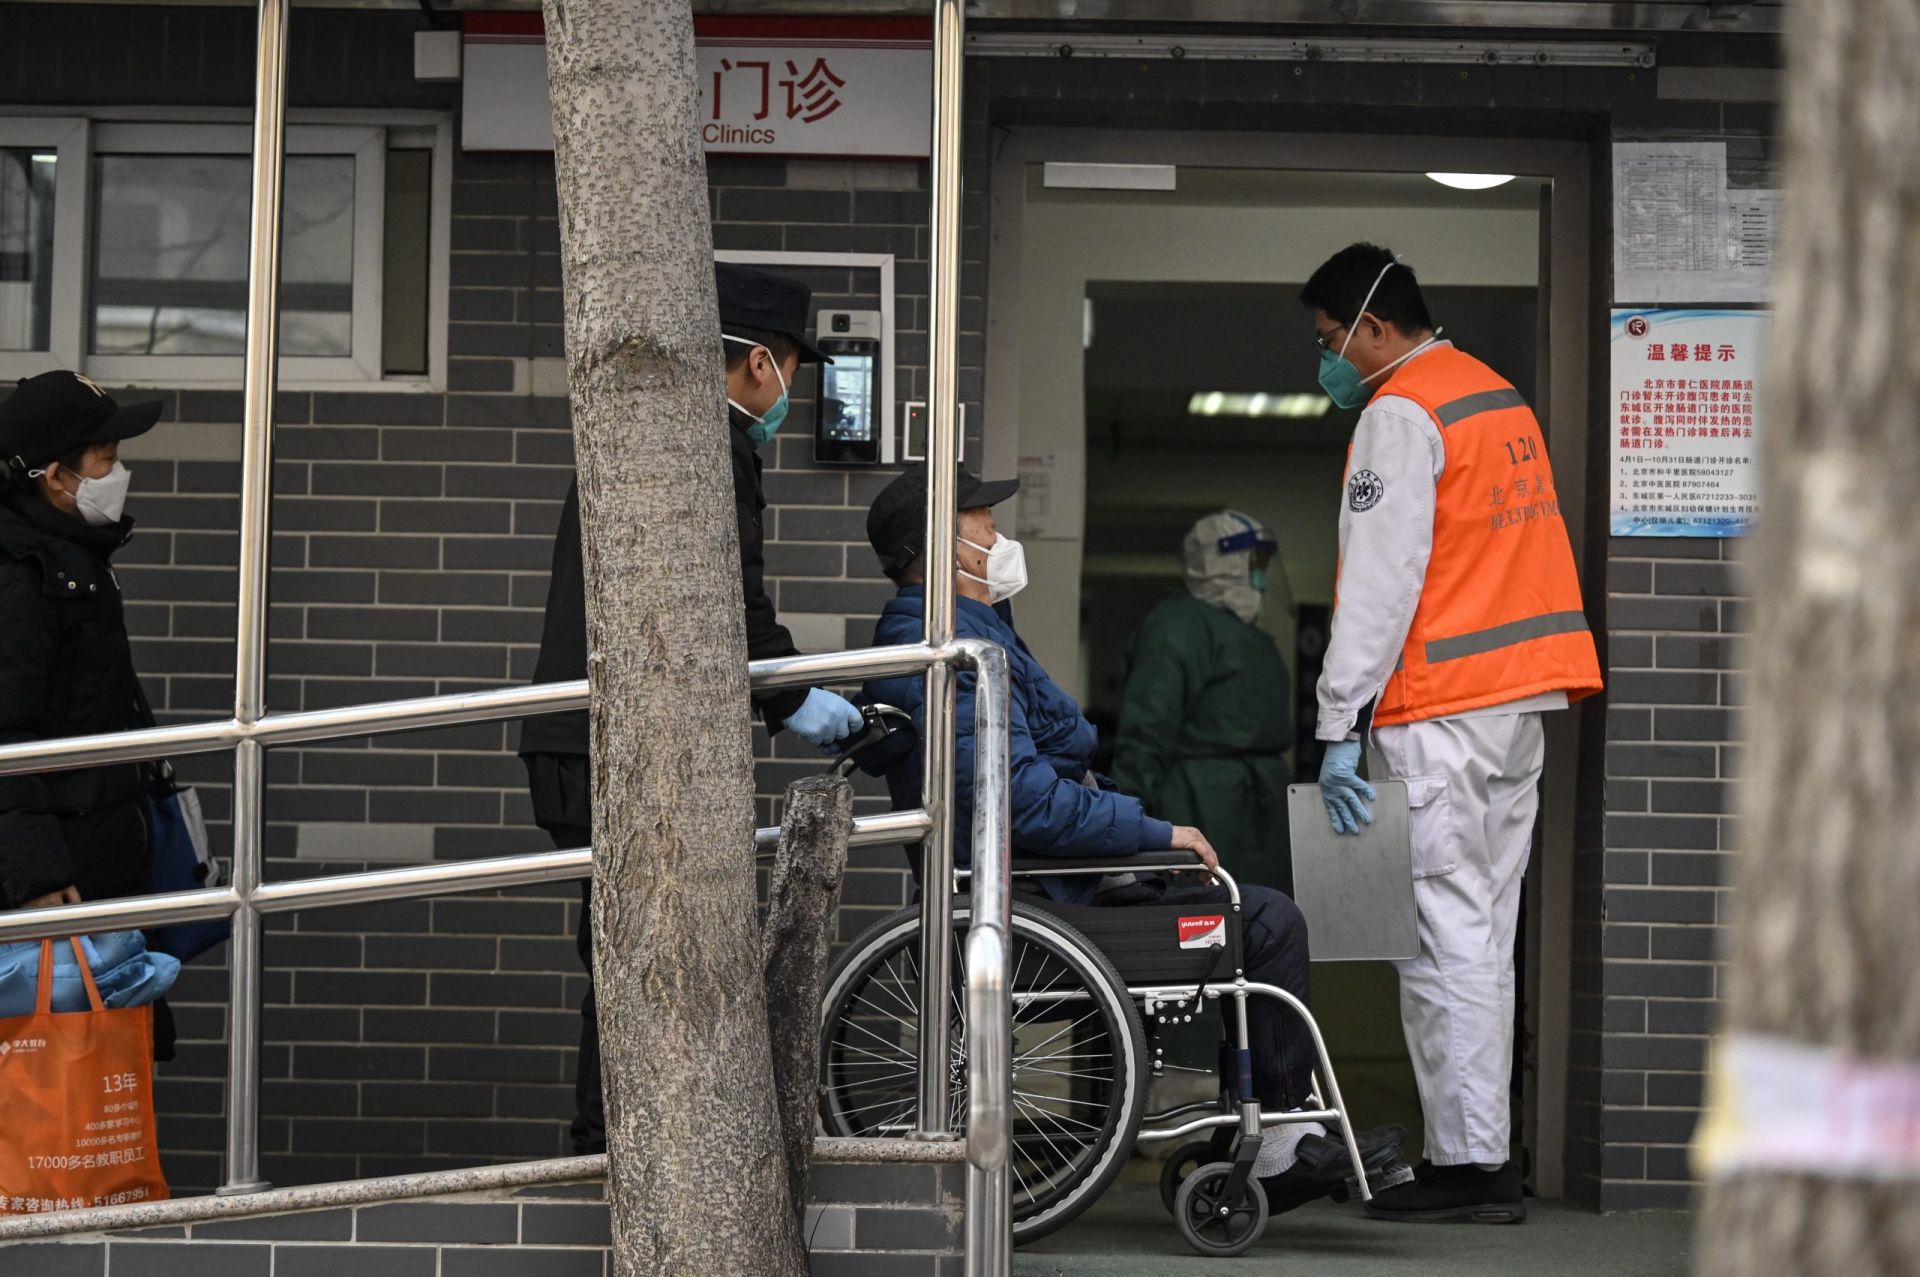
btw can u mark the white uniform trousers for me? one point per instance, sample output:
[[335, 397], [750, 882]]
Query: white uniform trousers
[[1473, 787]]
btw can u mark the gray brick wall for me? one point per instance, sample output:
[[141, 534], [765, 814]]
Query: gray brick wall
[[900, 1220], [412, 534], [1659, 897], [412, 538], [1658, 830]]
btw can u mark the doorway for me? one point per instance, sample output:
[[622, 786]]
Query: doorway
[[1129, 334], [1190, 410]]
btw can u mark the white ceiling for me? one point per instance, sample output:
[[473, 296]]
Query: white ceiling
[[1299, 188]]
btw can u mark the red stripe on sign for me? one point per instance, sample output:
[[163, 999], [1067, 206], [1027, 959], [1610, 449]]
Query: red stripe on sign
[[904, 33], [493, 23], [716, 30], [731, 42]]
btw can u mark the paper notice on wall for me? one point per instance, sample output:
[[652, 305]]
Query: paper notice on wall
[[1034, 517], [1685, 422], [1753, 221], [1680, 234]]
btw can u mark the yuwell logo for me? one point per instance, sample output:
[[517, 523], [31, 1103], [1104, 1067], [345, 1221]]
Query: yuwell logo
[[1206, 932]]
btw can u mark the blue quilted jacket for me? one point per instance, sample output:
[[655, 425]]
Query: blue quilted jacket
[[1055, 812]]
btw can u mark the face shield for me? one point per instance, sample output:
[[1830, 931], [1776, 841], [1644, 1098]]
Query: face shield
[[1232, 561]]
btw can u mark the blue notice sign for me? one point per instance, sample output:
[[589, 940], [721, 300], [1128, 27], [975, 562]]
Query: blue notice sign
[[1685, 420]]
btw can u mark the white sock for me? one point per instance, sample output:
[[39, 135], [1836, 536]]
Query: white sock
[[1279, 1147]]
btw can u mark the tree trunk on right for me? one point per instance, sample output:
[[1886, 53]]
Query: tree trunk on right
[[1826, 946]]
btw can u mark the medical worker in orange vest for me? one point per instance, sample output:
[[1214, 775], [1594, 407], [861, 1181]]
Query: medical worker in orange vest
[[1457, 624]]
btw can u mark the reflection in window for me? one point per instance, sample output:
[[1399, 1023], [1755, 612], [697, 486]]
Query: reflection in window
[[26, 248], [169, 272]]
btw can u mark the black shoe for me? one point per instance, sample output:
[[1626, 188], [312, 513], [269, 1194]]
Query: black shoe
[[1322, 1167], [1455, 1195]]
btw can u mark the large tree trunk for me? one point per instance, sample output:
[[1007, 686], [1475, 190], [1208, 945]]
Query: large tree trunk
[[803, 901], [1825, 946], [697, 1174]]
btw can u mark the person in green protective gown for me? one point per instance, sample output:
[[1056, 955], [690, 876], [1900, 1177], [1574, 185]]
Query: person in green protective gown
[[1205, 720]]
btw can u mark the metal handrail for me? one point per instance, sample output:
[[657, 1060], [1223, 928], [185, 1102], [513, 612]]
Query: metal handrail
[[249, 899], [988, 1028], [989, 941], [251, 730], [486, 874], [387, 717], [937, 558]]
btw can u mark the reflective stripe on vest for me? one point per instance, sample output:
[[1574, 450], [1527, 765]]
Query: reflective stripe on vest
[[1499, 548], [1532, 627], [1451, 414]]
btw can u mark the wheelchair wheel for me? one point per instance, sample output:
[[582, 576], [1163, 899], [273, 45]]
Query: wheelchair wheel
[[1187, 1159], [1213, 1225], [1079, 1087]]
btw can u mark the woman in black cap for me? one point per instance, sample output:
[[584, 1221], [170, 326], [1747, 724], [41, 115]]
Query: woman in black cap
[[65, 665]]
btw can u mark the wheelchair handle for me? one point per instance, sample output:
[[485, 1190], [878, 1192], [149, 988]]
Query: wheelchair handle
[[881, 721]]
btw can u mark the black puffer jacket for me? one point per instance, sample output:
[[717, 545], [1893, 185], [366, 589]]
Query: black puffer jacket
[[66, 670]]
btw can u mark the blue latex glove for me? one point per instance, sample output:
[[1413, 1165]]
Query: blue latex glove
[[825, 718], [1342, 790]]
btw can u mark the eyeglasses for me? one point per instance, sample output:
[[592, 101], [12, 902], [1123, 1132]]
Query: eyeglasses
[[1324, 339]]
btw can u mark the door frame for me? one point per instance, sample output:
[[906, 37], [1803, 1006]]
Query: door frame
[[1565, 387]]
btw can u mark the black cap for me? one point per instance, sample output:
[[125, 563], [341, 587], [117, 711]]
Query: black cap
[[897, 521], [754, 299], [51, 415]]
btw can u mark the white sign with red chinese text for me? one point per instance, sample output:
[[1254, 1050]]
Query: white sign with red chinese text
[[768, 86], [1685, 421], [1208, 931]]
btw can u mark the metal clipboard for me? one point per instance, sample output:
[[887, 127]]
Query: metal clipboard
[[1356, 890]]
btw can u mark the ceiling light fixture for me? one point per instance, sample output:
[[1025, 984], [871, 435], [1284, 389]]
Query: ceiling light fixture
[[1472, 181], [1221, 403]]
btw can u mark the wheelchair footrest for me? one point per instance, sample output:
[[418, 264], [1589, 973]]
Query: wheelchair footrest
[[1379, 1181]]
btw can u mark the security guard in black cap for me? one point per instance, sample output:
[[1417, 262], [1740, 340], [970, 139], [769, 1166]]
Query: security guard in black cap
[[763, 323], [65, 666]]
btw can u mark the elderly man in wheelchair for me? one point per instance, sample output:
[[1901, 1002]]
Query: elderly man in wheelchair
[[1126, 928]]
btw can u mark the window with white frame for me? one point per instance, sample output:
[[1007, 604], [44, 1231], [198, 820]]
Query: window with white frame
[[123, 251]]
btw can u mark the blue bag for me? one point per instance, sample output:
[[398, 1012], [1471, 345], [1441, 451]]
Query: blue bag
[[127, 973], [178, 855], [177, 840]]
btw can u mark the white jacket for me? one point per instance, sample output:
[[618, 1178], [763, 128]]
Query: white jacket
[[1386, 538]]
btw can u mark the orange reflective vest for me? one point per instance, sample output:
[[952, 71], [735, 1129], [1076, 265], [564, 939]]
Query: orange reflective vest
[[1499, 617]]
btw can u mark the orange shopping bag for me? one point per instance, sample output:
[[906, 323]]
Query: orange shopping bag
[[76, 1091]]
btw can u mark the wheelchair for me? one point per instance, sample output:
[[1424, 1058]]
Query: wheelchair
[[1097, 993]]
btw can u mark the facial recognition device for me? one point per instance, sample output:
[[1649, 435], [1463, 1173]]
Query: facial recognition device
[[848, 421]]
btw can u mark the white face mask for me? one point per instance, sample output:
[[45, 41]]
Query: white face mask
[[1006, 568], [100, 501]]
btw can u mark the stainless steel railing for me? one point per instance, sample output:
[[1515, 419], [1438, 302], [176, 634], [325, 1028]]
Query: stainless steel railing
[[936, 891], [987, 1043], [251, 730], [989, 942]]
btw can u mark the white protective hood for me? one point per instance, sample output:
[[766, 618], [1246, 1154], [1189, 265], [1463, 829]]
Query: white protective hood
[[1218, 576]]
